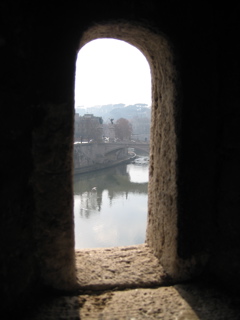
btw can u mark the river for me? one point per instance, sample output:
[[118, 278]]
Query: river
[[110, 206]]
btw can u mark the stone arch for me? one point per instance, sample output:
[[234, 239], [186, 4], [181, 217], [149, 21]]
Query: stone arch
[[162, 230]]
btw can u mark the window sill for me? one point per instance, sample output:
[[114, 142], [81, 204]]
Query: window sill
[[119, 268]]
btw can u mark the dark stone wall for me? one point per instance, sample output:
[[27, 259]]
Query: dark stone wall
[[226, 253], [38, 48], [209, 149]]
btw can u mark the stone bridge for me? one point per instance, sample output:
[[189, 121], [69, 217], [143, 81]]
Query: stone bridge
[[94, 156], [138, 146]]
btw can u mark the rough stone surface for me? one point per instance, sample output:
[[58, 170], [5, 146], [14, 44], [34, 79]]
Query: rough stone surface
[[118, 267], [52, 187], [180, 302]]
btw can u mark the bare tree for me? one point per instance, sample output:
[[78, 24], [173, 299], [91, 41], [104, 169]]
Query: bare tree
[[123, 129]]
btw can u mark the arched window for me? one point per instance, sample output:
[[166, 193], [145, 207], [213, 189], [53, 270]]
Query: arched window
[[113, 83], [162, 192], [162, 225]]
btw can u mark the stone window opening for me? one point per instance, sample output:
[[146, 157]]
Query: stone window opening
[[152, 263], [155, 262]]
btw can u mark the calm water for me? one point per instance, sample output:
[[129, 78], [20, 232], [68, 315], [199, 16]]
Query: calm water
[[115, 214]]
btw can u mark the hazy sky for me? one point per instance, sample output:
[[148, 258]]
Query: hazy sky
[[111, 71]]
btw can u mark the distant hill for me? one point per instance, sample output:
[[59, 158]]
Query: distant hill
[[117, 111]]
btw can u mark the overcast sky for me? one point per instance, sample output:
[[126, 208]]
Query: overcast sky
[[111, 71]]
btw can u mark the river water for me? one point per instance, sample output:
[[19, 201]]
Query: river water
[[110, 206]]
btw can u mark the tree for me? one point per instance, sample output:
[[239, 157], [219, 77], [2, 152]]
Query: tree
[[88, 128], [123, 129]]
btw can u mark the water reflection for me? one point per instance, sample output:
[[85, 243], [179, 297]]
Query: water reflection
[[110, 207]]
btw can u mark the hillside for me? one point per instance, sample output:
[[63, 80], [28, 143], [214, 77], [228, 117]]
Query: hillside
[[117, 111]]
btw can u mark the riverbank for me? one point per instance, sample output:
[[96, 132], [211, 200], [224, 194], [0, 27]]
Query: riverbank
[[101, 166]]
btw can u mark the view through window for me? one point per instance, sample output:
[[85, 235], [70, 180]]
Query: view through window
[[111, 144]]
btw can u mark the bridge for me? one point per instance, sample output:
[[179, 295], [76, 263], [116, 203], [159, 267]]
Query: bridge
[[138, 146], [94, 156]]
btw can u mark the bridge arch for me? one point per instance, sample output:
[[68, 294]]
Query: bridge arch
[[140, 147]]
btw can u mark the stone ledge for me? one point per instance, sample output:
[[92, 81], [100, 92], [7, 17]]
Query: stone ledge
[[180, 302], [118, 267]]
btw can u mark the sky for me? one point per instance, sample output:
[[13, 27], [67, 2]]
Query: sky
[[110, 71]]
